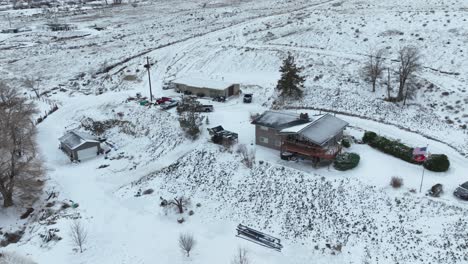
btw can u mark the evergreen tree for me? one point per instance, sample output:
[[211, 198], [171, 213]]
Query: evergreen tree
[[291, 82]]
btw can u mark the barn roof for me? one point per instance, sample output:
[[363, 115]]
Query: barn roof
[[319, 131], [279, 120], [202, 83], [74, 139]]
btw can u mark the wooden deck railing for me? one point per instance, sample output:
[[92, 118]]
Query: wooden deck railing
[[311, 151]]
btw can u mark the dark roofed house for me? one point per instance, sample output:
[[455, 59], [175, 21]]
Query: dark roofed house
[[270, 123], [79, 146], [316, 137]]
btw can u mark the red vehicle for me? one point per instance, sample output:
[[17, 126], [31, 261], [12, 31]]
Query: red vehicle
[[163, 100]]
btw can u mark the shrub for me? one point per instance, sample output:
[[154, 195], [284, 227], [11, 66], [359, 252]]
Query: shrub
[[437, 163], [346, 161], [148, 191], [345, 143], [396, 182], [369, 136]]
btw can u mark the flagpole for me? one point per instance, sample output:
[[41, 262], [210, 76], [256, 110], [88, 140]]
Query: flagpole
[[424, 168]]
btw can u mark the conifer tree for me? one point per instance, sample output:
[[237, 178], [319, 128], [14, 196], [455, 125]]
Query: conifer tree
[[291, 82]]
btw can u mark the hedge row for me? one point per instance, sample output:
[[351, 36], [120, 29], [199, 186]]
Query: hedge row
[[436, 162], [346, 161], [391, 147]]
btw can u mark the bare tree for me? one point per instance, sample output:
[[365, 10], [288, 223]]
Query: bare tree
[[373, 67], [241, 257], [33, 85], [389, 85], [19, 163], [180, 203], [186, 243], [409, 60], [78, 234], [248, 156]]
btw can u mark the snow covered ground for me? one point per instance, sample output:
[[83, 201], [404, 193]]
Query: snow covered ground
[[89, 73]]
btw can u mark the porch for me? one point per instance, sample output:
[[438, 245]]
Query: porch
[[310, 150]]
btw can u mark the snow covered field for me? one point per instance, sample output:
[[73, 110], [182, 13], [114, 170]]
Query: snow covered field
[[90, 73]]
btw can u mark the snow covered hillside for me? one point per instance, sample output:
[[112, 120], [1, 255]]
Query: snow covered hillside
[[322, 215]]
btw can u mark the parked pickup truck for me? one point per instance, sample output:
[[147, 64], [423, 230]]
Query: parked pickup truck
[[205, 108]]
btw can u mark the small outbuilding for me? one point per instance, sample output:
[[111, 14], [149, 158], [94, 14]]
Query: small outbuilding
[[79, 146], [210, 88], [59, 27]]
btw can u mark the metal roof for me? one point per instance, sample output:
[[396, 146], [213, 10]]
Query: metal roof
[[202, 83], [319, 131], [74, 139], [279, 120]]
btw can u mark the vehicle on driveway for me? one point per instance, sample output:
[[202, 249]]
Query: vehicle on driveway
[[205, 108], [436, 190], [219, 99], [247, 98], [462, 191], [163, 100], [168, 104], [168, 85]]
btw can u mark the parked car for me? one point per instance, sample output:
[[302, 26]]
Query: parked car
[[219, 99], [436, 190], [247, 98], [462, 191], [168, 85], [168, 104], [205, 108], [163, 100]]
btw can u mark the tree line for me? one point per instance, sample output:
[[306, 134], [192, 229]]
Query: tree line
[[376, 66], [20, 167]]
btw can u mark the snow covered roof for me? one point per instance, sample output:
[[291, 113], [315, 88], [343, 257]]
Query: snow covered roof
[[320, 130], [295, 129], [74, 139], [202, 83], [279, 120]]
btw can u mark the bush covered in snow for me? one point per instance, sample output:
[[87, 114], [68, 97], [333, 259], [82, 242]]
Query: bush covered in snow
[[345, 143], [437, 163], [346, 161], [369, 136]]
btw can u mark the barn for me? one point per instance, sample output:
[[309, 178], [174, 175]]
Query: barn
[[201, 87], [79, 146]]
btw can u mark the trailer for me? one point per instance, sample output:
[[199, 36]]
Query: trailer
[[258, 237]]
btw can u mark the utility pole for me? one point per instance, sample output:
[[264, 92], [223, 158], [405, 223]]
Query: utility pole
[[148, 66]]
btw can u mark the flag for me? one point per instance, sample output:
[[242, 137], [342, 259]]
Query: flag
[[419, 151]]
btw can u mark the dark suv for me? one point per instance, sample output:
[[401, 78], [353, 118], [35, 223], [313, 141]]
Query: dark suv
[[462, 191], [247, 98]]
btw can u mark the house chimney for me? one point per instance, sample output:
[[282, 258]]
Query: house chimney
[[304, 116]]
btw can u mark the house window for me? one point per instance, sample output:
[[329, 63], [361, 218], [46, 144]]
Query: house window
[[278, 143], [263, 140], [264, 128]]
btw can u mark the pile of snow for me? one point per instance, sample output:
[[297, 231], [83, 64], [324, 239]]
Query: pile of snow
[[13, 258]]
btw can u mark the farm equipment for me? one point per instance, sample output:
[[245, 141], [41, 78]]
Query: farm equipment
[[258, 237]]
